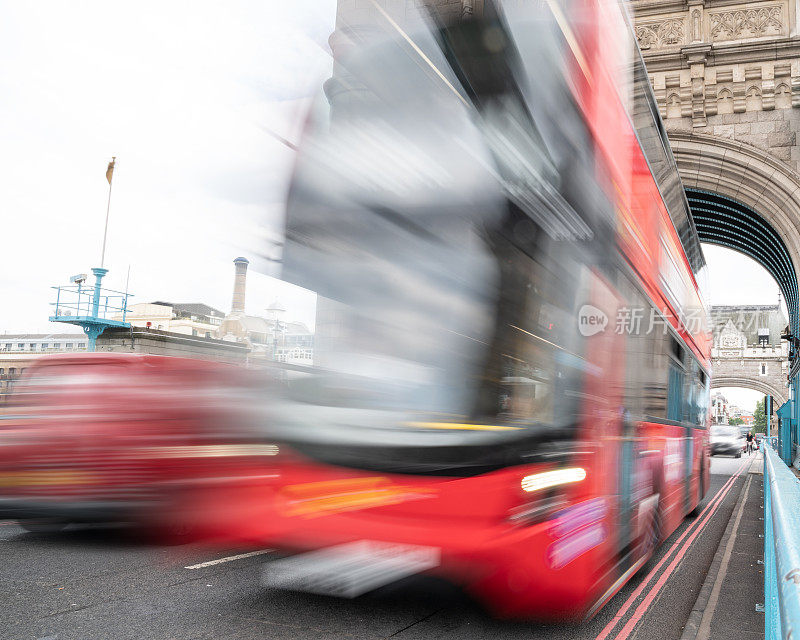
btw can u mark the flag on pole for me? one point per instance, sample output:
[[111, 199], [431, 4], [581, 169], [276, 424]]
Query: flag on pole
[[110, 170]]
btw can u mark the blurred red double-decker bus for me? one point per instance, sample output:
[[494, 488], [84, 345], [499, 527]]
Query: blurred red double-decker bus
[[132, 438], [511, 369]]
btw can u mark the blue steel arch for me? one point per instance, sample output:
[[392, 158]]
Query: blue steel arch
[[729, 223]]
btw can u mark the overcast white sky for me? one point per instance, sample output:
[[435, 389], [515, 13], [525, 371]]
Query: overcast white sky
[[181, 92], [736, 279]]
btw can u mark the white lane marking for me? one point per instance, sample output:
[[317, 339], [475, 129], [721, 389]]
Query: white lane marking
[[211, 563]]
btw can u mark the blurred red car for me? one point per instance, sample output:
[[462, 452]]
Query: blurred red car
[[112, 437]]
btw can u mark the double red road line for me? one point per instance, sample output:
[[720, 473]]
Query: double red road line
[[682, 546]]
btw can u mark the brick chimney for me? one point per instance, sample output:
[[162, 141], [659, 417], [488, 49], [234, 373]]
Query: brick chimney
[[239, 285]]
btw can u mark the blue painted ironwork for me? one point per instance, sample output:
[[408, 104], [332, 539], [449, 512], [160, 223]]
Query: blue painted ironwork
[[91, 308], [772, 620], [795, 408], [781, 547], [786, 422], [727, 222]]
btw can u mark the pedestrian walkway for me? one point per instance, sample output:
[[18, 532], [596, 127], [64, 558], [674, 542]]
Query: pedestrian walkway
[[729, 602], [757, 465]]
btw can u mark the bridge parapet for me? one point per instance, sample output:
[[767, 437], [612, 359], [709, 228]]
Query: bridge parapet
[[781, 547]]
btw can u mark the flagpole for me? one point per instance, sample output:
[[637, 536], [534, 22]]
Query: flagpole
[[108, 209], [125, 303]]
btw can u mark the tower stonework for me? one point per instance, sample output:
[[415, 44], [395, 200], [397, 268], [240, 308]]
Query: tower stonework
[[725, 69], [748, 351], [726, 80]]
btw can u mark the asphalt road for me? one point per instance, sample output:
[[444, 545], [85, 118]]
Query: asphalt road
[[98, 583]]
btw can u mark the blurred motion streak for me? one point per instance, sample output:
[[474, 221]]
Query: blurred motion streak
[[509, 388], [142, 439], [511, 354]]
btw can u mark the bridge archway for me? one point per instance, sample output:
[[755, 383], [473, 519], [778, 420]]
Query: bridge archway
[[746, 200], [780, 395]]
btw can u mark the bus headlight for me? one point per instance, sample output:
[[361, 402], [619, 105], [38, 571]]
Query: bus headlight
[[547, 479], [543, 505]]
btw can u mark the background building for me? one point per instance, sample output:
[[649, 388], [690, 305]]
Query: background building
[[168, 343], [19, 350], [189, 330], [720, 412], [269, 338], [42, 342], [748, 352], [191, 319]]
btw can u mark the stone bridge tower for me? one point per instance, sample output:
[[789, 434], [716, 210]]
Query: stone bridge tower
[[748, 352], [726, 78], [725, 69]]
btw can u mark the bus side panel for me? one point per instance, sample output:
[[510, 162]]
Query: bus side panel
[[601, 430], [665, 444]]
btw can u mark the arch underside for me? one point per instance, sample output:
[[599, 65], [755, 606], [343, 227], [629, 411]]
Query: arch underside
[[780, 395], [744, 199], [726, 222]]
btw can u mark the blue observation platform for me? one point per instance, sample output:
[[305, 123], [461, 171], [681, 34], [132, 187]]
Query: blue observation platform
[[91, 307]]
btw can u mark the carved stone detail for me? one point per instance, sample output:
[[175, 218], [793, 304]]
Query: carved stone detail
[[725, 101], [746, 23], [796, 92], [666, 33], [733, 74], [768, 95], [698, 112], [739, 97], [697, 34], [711, 99]]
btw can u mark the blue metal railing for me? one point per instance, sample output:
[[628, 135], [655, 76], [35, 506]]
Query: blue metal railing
[[80, 301], [91, 307], [781, 547]]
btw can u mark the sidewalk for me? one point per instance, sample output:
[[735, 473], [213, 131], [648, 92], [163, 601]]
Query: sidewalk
[[726, 606], [757, 465]]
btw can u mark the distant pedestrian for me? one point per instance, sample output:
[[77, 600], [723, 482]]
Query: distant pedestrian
[[750, 439]]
